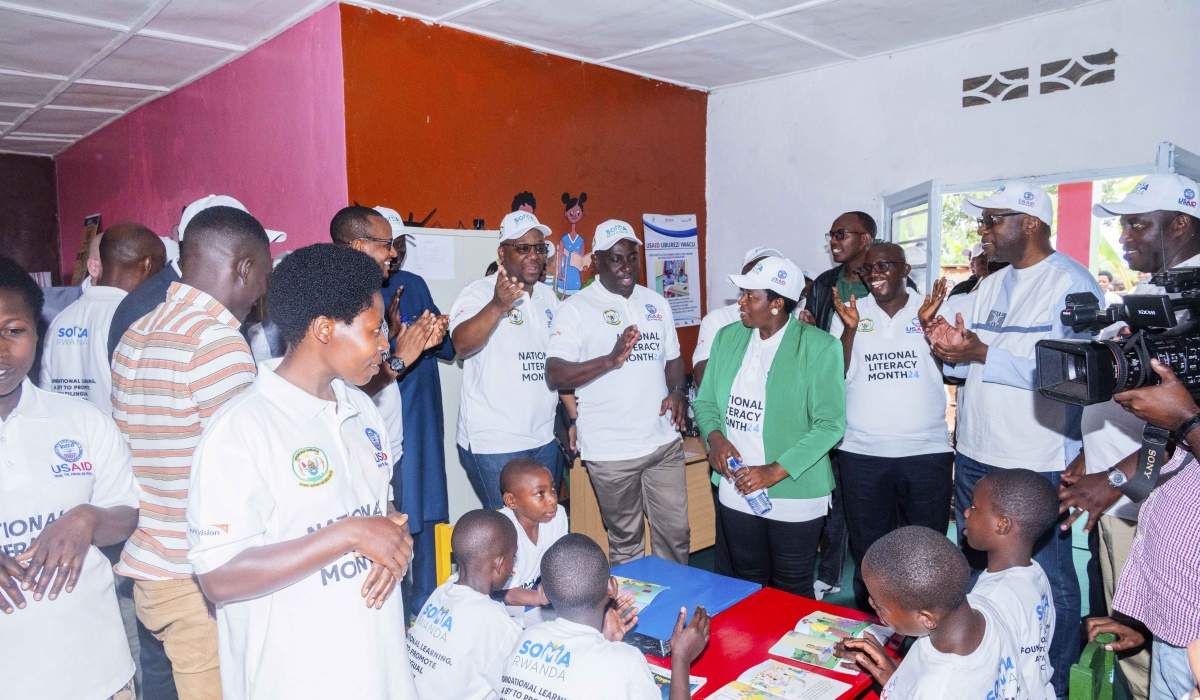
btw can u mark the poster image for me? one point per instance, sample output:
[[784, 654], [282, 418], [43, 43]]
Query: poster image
[[673, 263], [91, 226]]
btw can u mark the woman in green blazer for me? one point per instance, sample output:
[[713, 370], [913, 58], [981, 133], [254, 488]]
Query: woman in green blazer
[[774, 398]]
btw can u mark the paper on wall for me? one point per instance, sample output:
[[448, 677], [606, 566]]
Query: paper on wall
[[431, 257]]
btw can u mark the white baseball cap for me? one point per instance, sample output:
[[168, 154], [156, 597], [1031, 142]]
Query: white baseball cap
[[1018, 195], [778, 274], [1158, 192], [975, 251], [518, 223], [760, 252], [611, 231], [397, 224], [219, 200], [172, 248]]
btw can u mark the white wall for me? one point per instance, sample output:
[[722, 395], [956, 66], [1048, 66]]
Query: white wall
[[786, 156]]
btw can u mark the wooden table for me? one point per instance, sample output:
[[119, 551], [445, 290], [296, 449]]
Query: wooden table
[[740, 637], [585, 512]]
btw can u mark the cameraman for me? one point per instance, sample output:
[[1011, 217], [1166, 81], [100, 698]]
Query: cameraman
[[1160, 584], [1159, 231]]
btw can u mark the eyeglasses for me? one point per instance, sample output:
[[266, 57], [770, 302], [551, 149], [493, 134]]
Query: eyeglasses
[[386, 241], [880, 266], [841, 234], [524, 248], [989, 220]]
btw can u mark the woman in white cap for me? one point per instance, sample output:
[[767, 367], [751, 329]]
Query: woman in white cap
[[772, 406]]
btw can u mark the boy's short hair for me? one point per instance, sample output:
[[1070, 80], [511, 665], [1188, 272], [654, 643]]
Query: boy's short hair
[[321, 280], [1025, 497], [482, 535], [516, 469], [575, 573], [14, 277], [921, 569]]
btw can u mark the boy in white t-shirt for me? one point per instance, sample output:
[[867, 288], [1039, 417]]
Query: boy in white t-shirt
[[1011, 509], [918, 582], [462, 638], [579, 656], [289, 519], [531, 503]]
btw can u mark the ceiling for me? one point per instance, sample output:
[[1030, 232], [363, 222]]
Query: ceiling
[[68, 67]]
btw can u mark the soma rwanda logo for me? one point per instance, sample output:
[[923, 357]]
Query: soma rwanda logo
[[548, 659], [1140, 188], [652, 313], [612, 318], [514, 317], [311, 466], [866, 325], [374, 438], [68, 450]]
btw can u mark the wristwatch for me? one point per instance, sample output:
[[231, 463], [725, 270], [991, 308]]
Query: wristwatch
[[397, 364], [1117, 478], [1188, 426]]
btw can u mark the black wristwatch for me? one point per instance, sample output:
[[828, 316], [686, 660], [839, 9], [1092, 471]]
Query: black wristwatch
[[1188, 426], [396, 364]]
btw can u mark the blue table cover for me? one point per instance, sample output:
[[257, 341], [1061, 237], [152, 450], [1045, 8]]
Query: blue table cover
[[686, 586]]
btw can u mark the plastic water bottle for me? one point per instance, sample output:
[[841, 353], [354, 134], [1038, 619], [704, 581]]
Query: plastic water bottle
[[759, 501]]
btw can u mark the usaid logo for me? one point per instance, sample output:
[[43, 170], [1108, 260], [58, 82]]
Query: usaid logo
[[652, 313], [374, 438], [1026, 199], [1189, 198], [68, 450], [549, 317]]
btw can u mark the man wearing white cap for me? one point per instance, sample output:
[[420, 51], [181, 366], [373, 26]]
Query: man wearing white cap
[[1159, 231], [614, 343], [717, 319], [1003, 423], [501, 326], [774, 400], [149, 294]]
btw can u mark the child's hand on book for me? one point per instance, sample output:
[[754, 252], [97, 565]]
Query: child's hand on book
[[619, 618], [869, 656]]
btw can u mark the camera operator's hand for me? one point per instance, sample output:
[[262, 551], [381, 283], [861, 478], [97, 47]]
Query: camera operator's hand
[[1168, 405], [1090, 493]]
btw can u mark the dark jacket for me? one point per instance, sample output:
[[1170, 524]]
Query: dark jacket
[[820, 297]]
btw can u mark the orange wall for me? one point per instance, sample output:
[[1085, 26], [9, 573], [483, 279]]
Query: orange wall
[[437, 117]]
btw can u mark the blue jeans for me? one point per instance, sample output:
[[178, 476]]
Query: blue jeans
[[1170, 674], [1052, 551], [483, 470]]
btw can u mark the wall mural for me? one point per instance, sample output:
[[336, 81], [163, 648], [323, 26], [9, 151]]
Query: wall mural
[[569, 263]]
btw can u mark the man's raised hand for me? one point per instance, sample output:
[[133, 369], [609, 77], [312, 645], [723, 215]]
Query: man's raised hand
[[507, 291], [624, 346]]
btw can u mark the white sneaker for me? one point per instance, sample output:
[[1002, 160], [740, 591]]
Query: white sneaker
[[820, 588]]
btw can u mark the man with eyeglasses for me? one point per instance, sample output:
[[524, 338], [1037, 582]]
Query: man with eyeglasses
[[896, 464], [501, 327], [1003, 423], [849, 239]]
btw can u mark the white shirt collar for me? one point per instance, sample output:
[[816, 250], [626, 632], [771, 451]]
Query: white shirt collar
[[30, 405], [296, 399]]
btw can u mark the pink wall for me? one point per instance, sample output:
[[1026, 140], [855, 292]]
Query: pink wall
[[268, 129]]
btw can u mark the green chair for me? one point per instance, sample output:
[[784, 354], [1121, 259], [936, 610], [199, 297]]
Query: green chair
[[1092, 677]]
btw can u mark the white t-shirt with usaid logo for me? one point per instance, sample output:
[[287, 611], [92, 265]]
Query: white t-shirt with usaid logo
[[895, 399], [506, 405], [619, 411], [58, 452], [277, 463]]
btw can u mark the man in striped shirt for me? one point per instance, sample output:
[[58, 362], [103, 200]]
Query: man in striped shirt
[[172, 370]]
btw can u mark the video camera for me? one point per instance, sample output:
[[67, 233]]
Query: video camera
[[1084, 372]]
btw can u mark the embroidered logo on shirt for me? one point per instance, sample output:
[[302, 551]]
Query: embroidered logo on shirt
[[652, 313], [374, 438], [68, 450], [996, 318], [866, 325], [549, 317], [311, 466], [612, 318], [514, 317], [71, 454]]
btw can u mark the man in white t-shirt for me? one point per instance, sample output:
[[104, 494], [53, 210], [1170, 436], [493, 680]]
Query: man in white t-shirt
[[1159, 231], [500, 325], [614, 343], [1003, 422], [66, 488], [289, 518], [462, 638], [897, 465], [75, 357], [579, 656], [718, 318]]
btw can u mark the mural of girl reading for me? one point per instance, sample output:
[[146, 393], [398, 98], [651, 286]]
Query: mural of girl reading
[[572, 260]]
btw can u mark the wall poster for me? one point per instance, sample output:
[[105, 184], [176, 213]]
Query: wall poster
[[673, 263]]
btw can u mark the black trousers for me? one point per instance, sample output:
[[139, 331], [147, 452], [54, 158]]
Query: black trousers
[[833, 532], [772, 553], [882, 494]]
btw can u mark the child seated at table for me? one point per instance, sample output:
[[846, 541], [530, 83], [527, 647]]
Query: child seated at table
[[461, 639], [579, 656], [531, 503], [918, 582], [1011, 509]]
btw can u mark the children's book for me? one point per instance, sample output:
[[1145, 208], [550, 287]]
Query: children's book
[[662, 678], [816, 634], [772, 680], [642, 593]]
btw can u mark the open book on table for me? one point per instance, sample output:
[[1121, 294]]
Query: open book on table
[[772, 680], [662, 678], [816, 634]]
